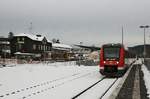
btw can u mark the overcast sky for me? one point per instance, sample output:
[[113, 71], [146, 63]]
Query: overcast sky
[[73, 21]]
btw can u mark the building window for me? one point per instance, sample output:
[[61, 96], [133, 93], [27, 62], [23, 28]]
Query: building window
[[34, 46], [39, 47], [43, 47], [22, 38], [19, 46], [46, 48], [18, 39], [49, 48]]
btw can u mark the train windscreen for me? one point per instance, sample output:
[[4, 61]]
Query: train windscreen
[[111, 53]]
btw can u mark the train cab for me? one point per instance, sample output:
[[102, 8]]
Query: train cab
[[112, 59]]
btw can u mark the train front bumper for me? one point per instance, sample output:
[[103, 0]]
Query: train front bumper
[[113, 72]]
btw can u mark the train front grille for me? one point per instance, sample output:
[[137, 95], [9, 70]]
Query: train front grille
[[110, 69]]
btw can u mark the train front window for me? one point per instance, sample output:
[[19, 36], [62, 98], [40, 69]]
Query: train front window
[[111, 53]]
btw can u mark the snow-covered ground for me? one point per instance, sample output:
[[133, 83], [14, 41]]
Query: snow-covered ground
[[53, 81], [50, 81], [146, 78]]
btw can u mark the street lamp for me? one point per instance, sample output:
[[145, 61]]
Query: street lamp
[[144, 27]]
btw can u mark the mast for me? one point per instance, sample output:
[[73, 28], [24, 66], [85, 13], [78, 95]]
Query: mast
[[122, 35]]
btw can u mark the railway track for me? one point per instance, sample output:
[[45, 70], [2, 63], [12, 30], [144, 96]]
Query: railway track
[[87, 90], [45, 86], [108, 89], [96, 89]]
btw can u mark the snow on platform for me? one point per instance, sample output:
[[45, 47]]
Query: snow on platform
[[146, 78]]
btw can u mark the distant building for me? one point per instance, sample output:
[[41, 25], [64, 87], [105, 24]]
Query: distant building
[[61, 51], [4, 47], [139, 49], [36, 46]]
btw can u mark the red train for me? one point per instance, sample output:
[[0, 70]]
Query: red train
[[112, 60]]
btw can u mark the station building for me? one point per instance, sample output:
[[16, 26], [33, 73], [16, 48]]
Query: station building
[[30, 45], [61, 52]]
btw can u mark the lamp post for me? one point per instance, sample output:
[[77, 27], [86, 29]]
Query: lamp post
[[144, 27]]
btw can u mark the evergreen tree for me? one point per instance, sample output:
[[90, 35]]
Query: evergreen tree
[[10, 35], [57, 41]]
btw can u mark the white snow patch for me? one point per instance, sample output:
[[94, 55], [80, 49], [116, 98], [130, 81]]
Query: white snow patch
[[59, 80], [61, 46], [139, 61], [146, 78], [32, 36], [24, 76]]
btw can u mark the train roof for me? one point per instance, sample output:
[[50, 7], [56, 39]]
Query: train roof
[[113, 45]]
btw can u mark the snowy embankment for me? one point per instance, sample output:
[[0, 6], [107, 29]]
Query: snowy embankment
[[146, 78]]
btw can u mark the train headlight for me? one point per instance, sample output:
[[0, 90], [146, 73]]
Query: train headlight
[[104, 62], [117, 62]]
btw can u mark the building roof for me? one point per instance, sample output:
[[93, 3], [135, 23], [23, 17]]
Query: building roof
[[19, 53], [32, 36], [61, 45]]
